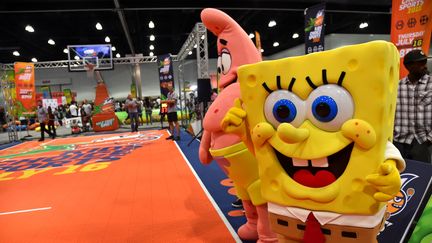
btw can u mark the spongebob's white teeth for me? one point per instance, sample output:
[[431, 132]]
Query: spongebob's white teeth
[[322, 162], [300, 162]]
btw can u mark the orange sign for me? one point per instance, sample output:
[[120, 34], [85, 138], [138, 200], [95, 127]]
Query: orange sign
[[411, 27], [104, 117], [25, 88]]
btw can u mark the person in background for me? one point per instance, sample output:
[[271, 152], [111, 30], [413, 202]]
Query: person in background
[[148, 111], [42, 115], [172, 113], [2, 118], [132, 108], [413, 121], [51, 120], [73, 109], [58, 114], [88, 109], [140, 110]]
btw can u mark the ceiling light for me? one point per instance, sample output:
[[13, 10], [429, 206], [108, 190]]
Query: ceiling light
[[195, 46], [16, 53], [34, 59], [151, 54], [118, 55], [151, 47], [99, 26], [76, 57], [51, 42], [190, 53], [113, 48], [107, 39], [272, 23], [251, 35], [202, 37], [151, 25], [29, 28], [363, 25], [295, 36], [152, 38], [262, 50], [275, 44], [66, 50]]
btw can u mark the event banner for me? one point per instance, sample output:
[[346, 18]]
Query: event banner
[[133, 91], [25, 88], [104, 117], [166, 74], [314, 28], [405, 206], [411, 27]]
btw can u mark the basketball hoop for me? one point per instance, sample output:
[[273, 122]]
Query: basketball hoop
[[89, 67]]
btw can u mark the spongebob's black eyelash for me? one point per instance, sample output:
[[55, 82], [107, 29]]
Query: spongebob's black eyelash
[[279, 85], [308, 79], [324, 79], [341, 78], [267, 88]]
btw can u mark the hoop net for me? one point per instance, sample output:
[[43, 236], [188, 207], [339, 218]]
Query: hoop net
[[89, 67]]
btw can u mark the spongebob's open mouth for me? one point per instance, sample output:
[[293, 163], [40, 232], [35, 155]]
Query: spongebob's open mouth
[[316, 172]]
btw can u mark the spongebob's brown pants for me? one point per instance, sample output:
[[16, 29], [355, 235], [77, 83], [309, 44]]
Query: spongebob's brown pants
[[291, 230]]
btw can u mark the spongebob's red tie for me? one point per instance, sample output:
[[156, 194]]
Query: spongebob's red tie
[[313, 233]]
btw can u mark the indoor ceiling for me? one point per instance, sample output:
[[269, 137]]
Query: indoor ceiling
[[72, 22]]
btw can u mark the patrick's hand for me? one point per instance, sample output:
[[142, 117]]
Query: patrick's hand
[[234, 120], [204, 153], [387, 181]]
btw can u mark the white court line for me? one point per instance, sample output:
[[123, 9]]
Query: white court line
[[213, 202], [25, 210]]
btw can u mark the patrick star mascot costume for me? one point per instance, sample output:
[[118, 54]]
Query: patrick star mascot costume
[[234, 49]]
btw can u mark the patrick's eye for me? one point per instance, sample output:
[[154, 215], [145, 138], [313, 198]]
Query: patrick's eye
[[225, 62], [329, 107], [284, 106]]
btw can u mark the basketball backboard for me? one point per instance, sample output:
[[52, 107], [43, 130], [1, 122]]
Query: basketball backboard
[[99, 55]]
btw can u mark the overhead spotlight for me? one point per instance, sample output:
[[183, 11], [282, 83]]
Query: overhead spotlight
[[66, 50], [152, 38], [275, 44], [262, 50], [29, 28], [190, 53], [76, 57], [51, 42], [151, 54], [272, 23], [295, 36], [98, 26], [118, 55], [151, 47], [363, 25], [202, 37], [16, 53], [195, 46], [113, 48], [251, 35], [151, 25], [107, 39], [34, 59]]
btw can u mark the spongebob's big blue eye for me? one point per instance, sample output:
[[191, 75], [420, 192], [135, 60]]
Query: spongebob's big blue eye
[[329, 107], [324, 108], [283, 106]]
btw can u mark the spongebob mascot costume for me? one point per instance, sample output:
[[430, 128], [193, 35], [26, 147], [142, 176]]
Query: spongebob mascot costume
[[321, 127]]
